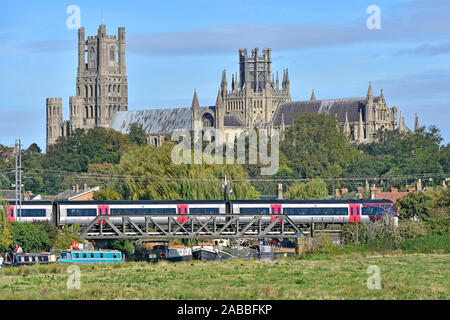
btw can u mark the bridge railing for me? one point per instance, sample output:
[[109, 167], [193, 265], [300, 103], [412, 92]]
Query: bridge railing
[[191, 226]]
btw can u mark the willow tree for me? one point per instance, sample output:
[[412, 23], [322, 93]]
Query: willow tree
[[148, 172], [315, 189]]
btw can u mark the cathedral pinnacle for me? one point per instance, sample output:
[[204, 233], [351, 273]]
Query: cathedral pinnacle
[[369, 91], [195, 104]]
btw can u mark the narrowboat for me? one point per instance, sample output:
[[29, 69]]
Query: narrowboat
[[23, 259], [205, 253], [91, 256], [172, 253]]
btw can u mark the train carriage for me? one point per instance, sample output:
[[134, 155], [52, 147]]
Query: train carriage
[[299, 211], [84, 212], [306, 211], [30, 211]]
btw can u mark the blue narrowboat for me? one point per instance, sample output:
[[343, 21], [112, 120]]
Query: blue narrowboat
[[91, 256]]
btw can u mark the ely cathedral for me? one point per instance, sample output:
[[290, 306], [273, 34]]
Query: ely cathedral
[[256, 97]]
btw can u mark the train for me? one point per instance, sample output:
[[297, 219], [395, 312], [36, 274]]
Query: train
[[61, 213]]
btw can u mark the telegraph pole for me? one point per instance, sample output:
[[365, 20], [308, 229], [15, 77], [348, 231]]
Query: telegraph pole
[[17, 179], [20, 180], [18, 184]]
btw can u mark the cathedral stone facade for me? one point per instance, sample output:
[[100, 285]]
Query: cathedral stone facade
[[359, 118], [101, 86], [255, 99]]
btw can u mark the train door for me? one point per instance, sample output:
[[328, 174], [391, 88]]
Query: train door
[[355, 213], [10, 214], [275, 209], [182, 209], [103, 210]]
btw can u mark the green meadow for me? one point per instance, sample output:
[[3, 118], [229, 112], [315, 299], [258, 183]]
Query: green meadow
[[402, 276]]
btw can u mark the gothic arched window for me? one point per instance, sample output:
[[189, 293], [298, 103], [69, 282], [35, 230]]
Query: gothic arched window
[[111, 54], [207, 120], [92, 55]]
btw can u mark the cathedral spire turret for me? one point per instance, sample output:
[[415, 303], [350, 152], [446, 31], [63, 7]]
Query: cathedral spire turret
[[313, 96], [195, 105], [224, 83], [369, 91], [220, 112], [360, 127], [346, 125]]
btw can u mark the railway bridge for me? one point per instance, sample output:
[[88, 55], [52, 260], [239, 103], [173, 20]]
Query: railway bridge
[[212, 226]]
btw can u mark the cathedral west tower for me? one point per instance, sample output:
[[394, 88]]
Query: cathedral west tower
[[101, 85]]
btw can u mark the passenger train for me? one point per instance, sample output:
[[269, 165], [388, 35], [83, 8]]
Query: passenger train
[[61, 213]]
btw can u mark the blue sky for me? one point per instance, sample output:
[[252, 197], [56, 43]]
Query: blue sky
[[174, 47]]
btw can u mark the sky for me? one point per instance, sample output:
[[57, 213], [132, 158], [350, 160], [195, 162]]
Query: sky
[[174, 47]]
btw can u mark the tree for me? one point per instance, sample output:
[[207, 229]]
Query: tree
[[6, 239], [33, 148], [441, 204], [136, 134], [315, 147], [33, 237], [106, 194], [414, 205], [316, 189], [150, 174]]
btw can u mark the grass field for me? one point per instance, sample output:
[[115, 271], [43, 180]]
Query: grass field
[[414, 276]]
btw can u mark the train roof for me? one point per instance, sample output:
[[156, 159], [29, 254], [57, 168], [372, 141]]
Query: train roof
[[306, 201], [111, 202], [34, 202]]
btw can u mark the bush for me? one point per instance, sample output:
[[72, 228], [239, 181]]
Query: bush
[[429, 244], [411, 229], [33, 237], [415, 205], [380, 234], [323, 243], [438, 225], [124, 245], [66, 236]]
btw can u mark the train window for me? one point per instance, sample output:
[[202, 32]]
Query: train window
[[101, 255], [75, 255], [84, 255], [316, 211], [81, 212], [33, 212], [203, 210], [372, 210], [137, 211], [255, 210], [92, 255]]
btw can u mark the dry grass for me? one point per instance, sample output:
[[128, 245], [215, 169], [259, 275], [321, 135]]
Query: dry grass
[[418, 276]]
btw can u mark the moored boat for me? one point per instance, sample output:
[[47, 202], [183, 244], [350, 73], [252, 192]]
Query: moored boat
[[206, 253], [23, 259], [172, 253], [91, 256]]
